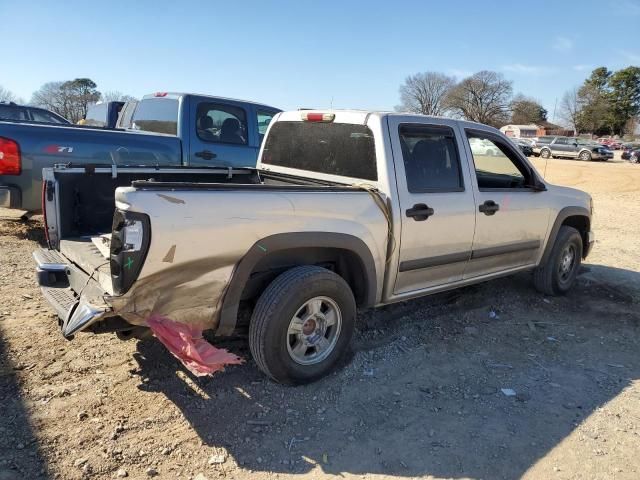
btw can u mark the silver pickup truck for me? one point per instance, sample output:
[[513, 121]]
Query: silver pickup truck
[[345, 210]]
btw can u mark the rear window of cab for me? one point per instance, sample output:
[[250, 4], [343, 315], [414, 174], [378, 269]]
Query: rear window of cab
[[342, 149]]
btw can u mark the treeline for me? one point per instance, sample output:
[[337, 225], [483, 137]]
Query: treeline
[[70, 98], [484, 97], [607, 102]]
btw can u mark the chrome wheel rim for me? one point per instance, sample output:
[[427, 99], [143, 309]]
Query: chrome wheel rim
[[567, 263], [314, 330]]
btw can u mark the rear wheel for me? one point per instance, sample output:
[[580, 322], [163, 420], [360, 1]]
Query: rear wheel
[[558, 274], [545, 153], [302, 325]]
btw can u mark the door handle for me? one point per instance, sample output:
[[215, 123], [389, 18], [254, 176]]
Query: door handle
[[489, 207], [206, 155], [419, 212]]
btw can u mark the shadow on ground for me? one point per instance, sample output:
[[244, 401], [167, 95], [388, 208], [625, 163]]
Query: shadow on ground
[[31, 229], [20, 456], [421, 393]]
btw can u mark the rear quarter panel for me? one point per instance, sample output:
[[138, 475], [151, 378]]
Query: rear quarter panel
[[198, 237]]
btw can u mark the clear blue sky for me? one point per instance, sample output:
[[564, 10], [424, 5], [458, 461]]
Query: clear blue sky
[[294, 54]]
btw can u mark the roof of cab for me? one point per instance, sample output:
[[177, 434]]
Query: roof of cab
[[360, 116], [176, 95]]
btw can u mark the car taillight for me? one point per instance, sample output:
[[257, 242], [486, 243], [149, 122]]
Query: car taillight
[[317, 117], [160, 94], [10, 159]]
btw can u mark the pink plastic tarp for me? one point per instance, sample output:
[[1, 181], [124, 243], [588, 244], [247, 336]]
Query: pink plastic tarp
[[185, 342]]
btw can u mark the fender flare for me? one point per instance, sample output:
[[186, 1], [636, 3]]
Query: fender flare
[[563, 214], [287, 241]]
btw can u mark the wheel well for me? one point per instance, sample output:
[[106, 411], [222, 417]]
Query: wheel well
[[345, 263], [580, 223]]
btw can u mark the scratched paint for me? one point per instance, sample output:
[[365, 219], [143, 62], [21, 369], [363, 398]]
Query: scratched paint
[[171, 199]]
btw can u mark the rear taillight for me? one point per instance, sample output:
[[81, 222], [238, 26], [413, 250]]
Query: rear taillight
[[10, 160], [130, 237]]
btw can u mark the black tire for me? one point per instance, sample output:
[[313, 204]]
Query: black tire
[[551, 278], [276, 307], [585, 156], [545, 153]]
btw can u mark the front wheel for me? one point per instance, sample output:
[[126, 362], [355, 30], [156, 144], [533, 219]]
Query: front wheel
[[585, 156], [545, 153], [558, 274], [302, 325]]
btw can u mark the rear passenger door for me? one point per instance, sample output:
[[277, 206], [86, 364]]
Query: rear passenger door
[[221, 134], [436, 201]]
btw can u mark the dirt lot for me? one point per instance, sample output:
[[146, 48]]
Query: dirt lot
[[420, 395]]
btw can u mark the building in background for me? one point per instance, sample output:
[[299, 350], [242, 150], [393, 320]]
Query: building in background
[[535, 130]]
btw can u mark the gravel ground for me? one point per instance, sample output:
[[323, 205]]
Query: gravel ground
[[492, 381]]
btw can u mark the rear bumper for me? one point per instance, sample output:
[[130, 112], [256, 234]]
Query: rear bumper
[[76, 297], [10, 197]]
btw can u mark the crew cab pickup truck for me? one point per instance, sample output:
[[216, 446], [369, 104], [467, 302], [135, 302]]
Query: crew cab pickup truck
[[345, 210], [570, 147], [169, 129]]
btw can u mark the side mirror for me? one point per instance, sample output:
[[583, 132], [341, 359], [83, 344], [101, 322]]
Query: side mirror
[[537, 185]]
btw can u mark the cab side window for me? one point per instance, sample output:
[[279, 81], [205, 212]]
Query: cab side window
[[264, 119], [431, 160], [496, 164], [219, 123]]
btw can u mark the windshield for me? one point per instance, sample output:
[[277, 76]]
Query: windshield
[[158, 115], [342, 149]]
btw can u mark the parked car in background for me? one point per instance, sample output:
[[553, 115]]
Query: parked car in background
[[125, 116], [12, 112], [523, 145], [627, 148], [167, 129], [345, 209], [104, 114], [634, 156], [480, 146], [571, 147]]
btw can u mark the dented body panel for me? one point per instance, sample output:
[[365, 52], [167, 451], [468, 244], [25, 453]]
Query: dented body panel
[[192, 258]]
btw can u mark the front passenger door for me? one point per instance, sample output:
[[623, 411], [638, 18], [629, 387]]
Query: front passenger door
[[511, 216]]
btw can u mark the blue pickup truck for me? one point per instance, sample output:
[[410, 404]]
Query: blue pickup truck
[[167, 130]]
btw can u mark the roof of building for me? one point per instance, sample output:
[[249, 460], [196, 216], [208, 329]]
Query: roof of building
[[530, 126]]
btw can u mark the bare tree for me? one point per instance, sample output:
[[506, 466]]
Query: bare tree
[[50, 96], [484, 97], [6, 95], [69, 99], [570, 108], [425, 93], [116, 96]]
